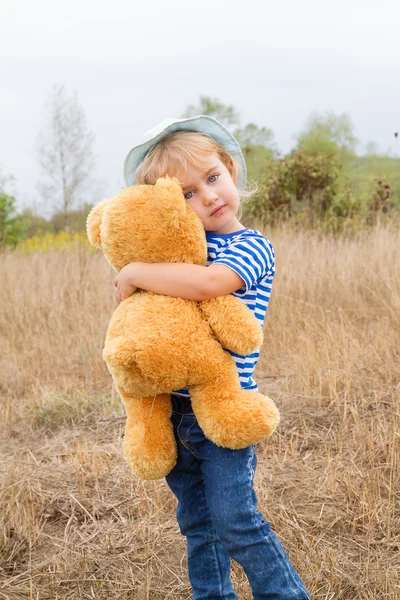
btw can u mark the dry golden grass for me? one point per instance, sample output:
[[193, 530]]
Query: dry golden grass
[[75, 523]]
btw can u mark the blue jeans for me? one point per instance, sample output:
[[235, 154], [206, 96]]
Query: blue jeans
[[217, 512]]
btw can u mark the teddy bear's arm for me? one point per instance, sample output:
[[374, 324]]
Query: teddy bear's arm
[[233, 324]]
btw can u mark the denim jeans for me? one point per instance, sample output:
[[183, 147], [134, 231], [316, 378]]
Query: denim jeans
[[217, 512]]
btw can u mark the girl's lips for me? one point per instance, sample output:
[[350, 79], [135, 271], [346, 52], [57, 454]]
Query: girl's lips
[[217, 210]]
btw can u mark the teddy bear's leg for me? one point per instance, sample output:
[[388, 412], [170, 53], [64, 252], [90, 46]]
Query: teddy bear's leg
[[229, 416], [149, 443]]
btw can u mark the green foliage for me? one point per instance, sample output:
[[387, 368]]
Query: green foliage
[[76, 220], [300, 183], [213, 107], [322, 183], [381, 197], [314, 179], [346, 211], [12, 227], [257, 143], [35, 224], [257, 158], [272, 202], [258, 147], [330, 134], [380, 200], [252, 135], [365, 170]]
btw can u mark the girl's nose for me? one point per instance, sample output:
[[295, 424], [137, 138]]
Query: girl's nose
[[209, 197]]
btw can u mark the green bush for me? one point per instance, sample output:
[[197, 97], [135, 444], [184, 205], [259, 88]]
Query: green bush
[[12, 227]]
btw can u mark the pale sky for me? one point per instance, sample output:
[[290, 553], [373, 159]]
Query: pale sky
[[134, 64]]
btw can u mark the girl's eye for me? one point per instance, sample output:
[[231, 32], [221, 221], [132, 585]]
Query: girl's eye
[[213, 178], [188, 195]]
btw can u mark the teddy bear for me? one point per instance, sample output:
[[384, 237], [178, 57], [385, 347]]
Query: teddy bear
[[156, 344]]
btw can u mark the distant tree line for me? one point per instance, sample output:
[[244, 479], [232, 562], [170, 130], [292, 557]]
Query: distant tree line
[[322, 182]]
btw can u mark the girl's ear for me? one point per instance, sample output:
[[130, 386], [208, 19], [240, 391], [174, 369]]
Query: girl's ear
[[169, 200], [93, 223]]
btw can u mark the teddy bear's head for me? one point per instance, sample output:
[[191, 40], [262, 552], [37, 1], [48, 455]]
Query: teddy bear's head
[[148, 223]]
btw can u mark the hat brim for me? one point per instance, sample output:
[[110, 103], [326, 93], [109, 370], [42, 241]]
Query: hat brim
[[202, 124]]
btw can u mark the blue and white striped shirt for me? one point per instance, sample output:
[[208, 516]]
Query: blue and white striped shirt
[[252, 257]]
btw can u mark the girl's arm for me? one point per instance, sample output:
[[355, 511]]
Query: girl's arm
[[191, 282]]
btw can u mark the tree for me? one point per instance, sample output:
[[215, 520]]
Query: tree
[[34, 223], [330, 134], [213, 107], [252, 135], [64, 153], [77, 219], [258, 147], [257, 143]]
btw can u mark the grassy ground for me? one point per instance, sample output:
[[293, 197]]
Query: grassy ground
[[74, 521]]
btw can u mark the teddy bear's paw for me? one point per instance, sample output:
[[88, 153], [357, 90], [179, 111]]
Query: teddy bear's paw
[[150, 458], [264, 415], [233, 324], [260, 417], [119, 351], [242, 421]]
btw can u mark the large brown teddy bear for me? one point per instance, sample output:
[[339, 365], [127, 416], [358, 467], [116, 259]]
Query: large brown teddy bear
[[156, 344]]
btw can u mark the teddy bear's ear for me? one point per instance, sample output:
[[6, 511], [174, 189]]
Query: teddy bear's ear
[[93, 223], [169, 200]]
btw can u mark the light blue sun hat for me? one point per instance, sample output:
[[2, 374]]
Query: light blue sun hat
[[202, 124]]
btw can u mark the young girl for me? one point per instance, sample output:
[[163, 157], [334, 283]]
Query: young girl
[[217, 505]]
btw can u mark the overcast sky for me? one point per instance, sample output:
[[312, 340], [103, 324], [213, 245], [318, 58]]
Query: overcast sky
[[133, 64]]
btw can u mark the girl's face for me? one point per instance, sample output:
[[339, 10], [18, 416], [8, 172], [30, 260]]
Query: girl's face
[[211, 192]]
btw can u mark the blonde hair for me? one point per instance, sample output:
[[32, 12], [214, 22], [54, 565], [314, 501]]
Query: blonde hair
[[177, 150]]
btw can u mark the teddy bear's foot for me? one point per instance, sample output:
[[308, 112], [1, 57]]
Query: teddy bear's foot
[[236, 421], [149, 444], [149, 458]]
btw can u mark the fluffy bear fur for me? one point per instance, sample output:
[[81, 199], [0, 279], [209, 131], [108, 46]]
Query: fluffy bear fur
[[156, 344]]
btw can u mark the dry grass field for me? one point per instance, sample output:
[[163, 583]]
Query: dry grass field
[[74, 521]]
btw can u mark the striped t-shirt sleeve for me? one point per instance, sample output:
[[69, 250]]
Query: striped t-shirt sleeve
[[251, 257]]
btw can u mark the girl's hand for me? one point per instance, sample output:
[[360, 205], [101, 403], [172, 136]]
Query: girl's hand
[[123, 283]]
